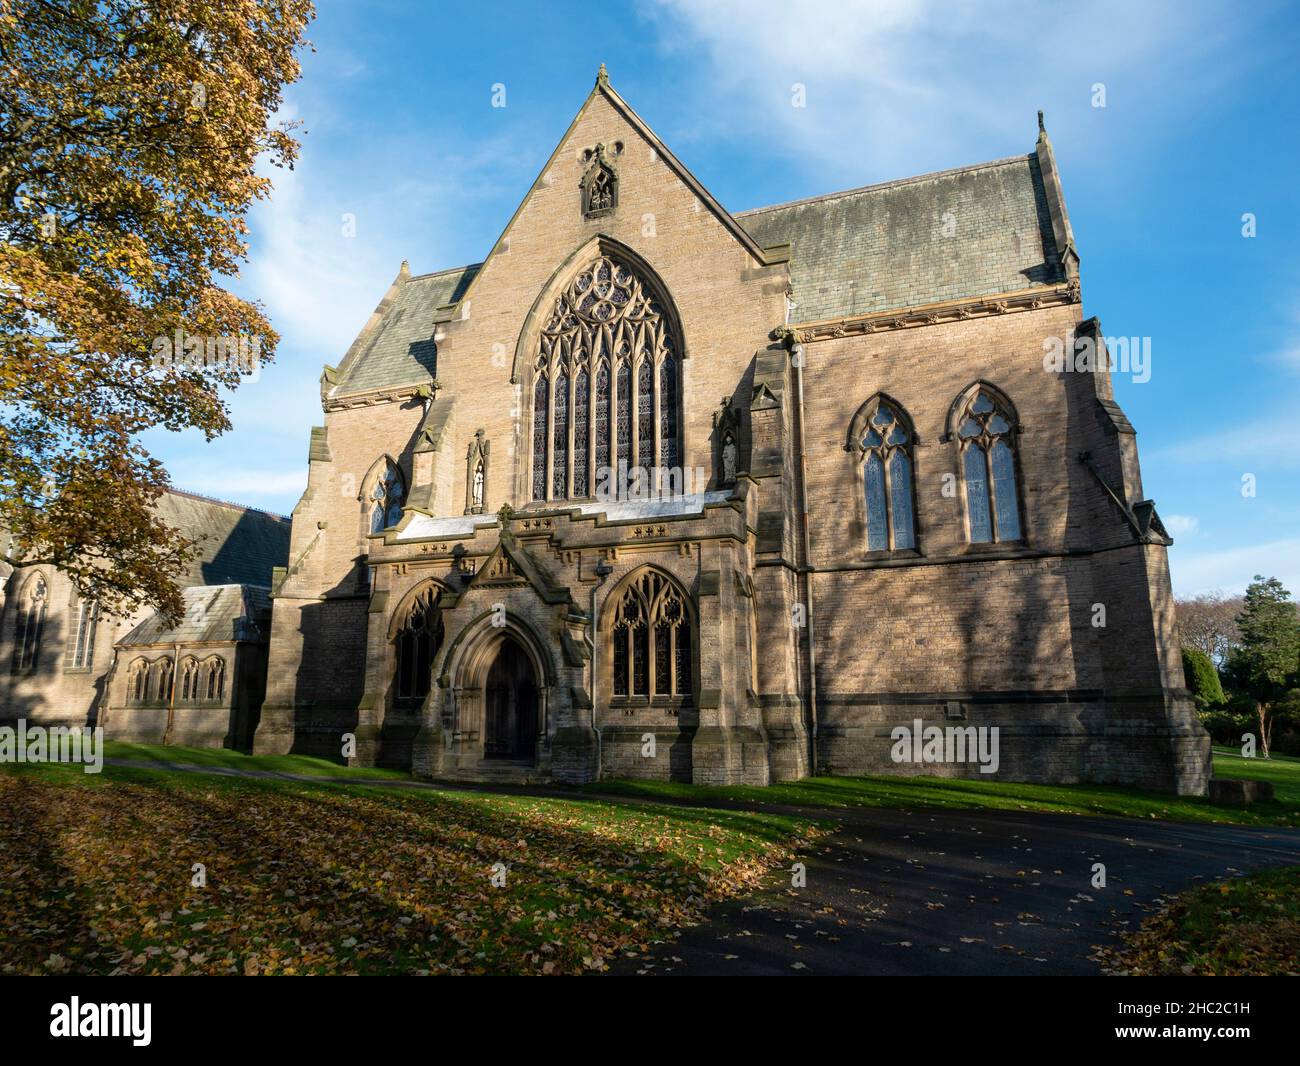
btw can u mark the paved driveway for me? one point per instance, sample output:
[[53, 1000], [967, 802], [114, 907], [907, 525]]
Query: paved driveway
[[942, 892]]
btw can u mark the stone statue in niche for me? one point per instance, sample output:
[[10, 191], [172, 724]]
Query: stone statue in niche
[[726, 436], [478, 486]]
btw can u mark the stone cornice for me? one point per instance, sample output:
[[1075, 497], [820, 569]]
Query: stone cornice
[[1058, 295], [391, 394]]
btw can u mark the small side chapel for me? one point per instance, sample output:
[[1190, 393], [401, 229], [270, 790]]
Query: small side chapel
[[662, 490]]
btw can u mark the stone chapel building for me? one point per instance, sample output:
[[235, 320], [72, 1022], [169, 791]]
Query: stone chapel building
[[656, 490]]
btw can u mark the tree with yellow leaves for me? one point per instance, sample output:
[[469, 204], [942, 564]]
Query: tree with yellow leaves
[[130, 131]]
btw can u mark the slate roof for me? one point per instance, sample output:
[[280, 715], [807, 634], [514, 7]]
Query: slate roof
[[886, 247], [955, 234], [400, 348], [237, 545], [212, 613]]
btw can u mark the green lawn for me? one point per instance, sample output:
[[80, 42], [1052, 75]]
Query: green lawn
[[855, 792], [304, 877], [1245, 926], [851, 792], [308, 765]]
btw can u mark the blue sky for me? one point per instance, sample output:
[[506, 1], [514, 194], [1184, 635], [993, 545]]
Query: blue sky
[[1201, 125]]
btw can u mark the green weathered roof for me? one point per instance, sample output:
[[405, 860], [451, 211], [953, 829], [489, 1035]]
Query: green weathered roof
[[975, 231], [971, 232], [399, 349], [237, 545], [212, 613]]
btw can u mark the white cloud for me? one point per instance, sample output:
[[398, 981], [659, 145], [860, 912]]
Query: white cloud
[[934, 83], [1182, 525], [1232, 569]]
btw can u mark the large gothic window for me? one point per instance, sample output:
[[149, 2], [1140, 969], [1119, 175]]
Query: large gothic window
[[419, 635], [986, 436], [652, 640], [31, 623], [386, 498], [885, 440], [608, 326]]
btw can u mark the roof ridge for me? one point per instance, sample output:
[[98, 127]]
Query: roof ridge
[[226, 503], [1006, 161], [440, 273]]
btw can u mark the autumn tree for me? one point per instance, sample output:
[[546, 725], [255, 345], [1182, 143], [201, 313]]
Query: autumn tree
[[1266, 665], [130, 133]]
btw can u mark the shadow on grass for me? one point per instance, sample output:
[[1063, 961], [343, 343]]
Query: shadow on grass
[[319, 878]]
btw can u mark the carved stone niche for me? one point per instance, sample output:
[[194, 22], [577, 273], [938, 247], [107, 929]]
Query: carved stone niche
[[726, 443], [476, 473], [600, 180]]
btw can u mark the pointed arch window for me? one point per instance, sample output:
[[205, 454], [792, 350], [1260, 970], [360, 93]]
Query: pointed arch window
[[608, 322], [189, 677], [159, 686], [83, 644], [653, 641], [419, 635], [884, 436], [213, 678], [137, 683], [386, 498], [32, 605], [986, 435]]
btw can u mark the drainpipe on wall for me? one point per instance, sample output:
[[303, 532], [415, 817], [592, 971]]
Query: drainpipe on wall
[[603, 570], [171, 696], [796, 360]]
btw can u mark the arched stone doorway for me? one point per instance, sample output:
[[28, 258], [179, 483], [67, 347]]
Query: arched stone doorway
[[511, 715]]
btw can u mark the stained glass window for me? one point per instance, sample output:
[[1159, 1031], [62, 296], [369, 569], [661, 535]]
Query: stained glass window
[[877, 520], [581, 413], [887, 477], [608, 312], [986, 434], [560, 454], [645, 414], [975, 463], [900, 499], [602, 418], [1004, 491], [668, 413], [539, 439], [621, 637], [623, 398]]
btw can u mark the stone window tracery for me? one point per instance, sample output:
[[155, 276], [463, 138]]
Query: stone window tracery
[[986, 436], [386, 498], [608, 321], [885, 442], [32, 605], [652, 640], [419, 636], [83, 647]]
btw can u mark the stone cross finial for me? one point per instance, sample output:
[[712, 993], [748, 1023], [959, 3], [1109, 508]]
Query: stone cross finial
[[602, 75]]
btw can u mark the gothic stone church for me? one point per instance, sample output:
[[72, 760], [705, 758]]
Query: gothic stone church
[[658, 490]]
